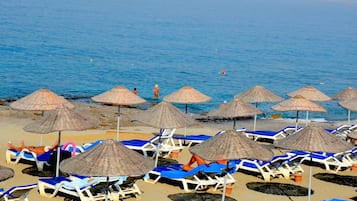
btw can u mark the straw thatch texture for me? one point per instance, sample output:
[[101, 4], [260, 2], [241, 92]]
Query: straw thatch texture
[[235, 108], [61, 119], [314, 139], [310, 93], [231, 145], [164, 115], [110, 158], [258, 94], [40, 100], [346, 94], [350, 104], [187, 95], [298, 103], [6, 173], [119, 95]]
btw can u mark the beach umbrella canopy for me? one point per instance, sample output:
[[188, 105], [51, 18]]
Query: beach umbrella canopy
[[164, 115], [313, 139], [61, 119], [298, 103], [231, 145], [119, 96], [257, 95], [310, 93], [40, 100], [187, 95], [234, 109], [350, 105], [6, 173], [109, 158], [346, 94]]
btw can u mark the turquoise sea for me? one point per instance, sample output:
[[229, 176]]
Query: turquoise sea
[[81, 48]]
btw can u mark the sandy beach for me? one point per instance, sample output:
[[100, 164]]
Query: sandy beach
[[12, 122]]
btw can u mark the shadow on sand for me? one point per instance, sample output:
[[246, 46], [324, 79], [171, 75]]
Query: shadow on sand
[[278, 188], [198, 197], [337, 179]]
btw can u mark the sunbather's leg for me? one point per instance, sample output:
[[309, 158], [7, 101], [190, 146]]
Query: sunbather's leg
[[12, 146], [55, 145]]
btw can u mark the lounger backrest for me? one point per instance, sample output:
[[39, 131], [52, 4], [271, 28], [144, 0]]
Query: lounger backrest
[[18, 192], [167, 132]]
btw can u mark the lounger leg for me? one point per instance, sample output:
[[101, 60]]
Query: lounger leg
[[42, 190]]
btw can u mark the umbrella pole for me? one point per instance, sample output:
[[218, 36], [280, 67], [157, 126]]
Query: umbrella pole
[[58, 153], [349, 116], [184, 142], [118, 122], [107, 189], [41, 137], [225, 181], [255, 121], [255, 117], [307, 118], [234, 124], [310, 173], [297, 119], [157, 149]]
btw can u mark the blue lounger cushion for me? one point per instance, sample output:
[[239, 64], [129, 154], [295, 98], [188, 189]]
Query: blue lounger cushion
[[137, 143], [192, 137]]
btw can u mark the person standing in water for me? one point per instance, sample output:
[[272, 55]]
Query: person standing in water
[[156, 91], [135, 91]]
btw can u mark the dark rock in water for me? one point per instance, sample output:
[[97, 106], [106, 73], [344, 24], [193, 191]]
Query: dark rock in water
[[198, 197], [338, 179], [278, 188]]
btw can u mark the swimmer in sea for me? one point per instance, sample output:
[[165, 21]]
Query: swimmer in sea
[[156, 91]]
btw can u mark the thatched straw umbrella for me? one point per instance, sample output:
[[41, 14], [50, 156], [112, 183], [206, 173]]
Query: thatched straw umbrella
[[298, 103], [40, 100], [164, 115], [258, 94], [187, 95], [313, 139], [350, 105], [109, 158], [61, 119], [345, 94], [231, 145], [234, 109], [119, 96], [310, 93]]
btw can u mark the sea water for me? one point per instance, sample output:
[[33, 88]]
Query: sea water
[[81, 48]]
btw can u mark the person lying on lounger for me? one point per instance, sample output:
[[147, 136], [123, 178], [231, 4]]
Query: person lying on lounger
[[199, 161], [36, 149]]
